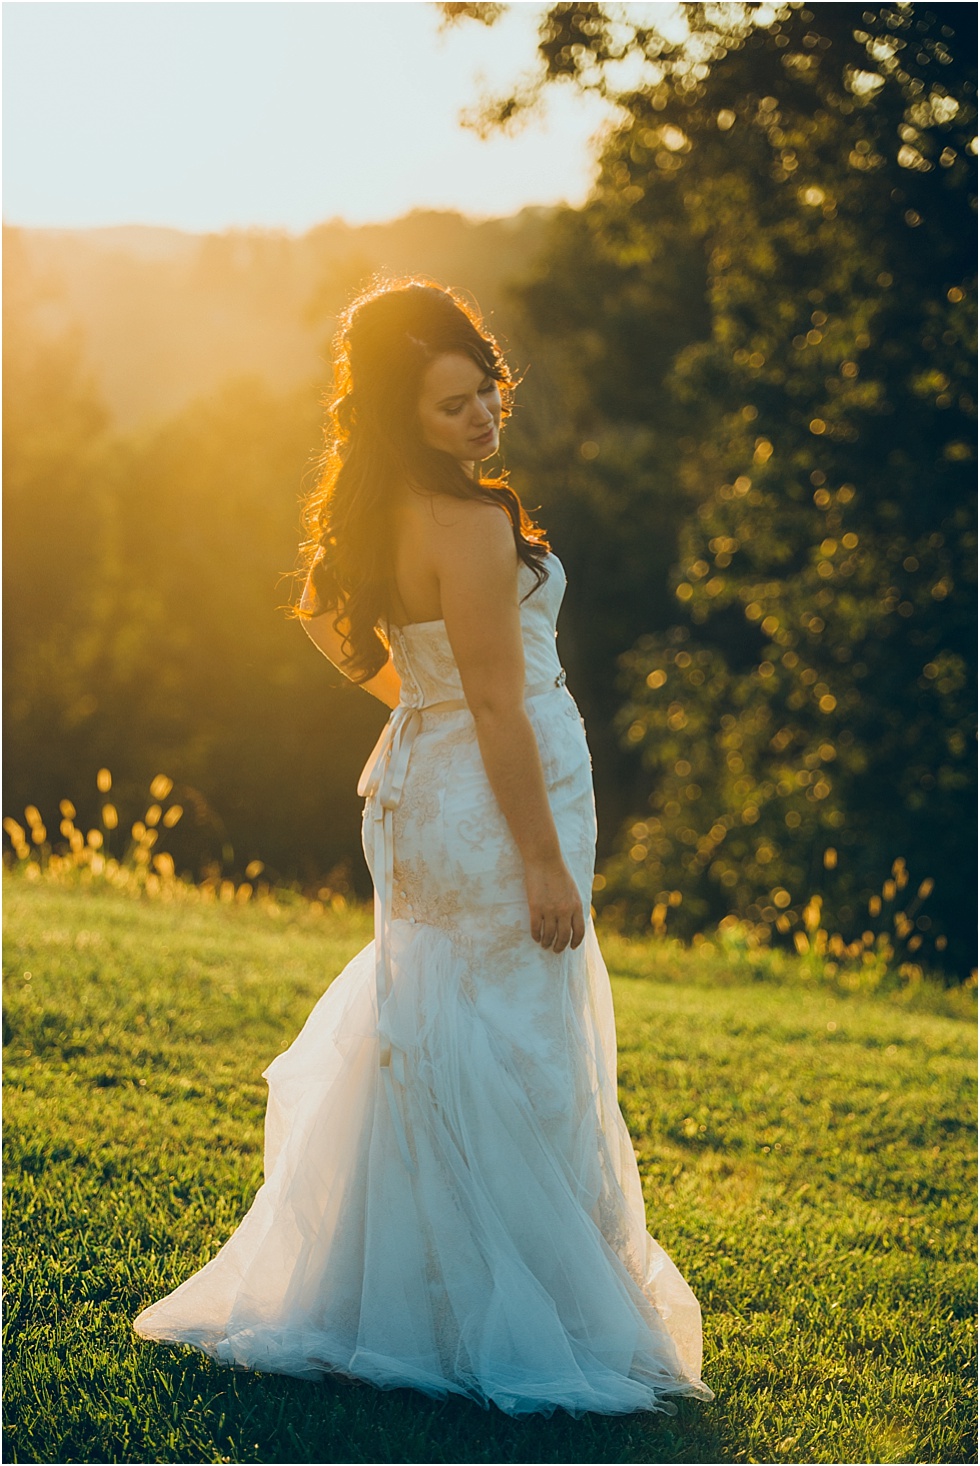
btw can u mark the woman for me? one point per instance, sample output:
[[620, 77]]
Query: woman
[[451, 1199]]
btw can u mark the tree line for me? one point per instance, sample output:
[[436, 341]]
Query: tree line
[[748, 422]]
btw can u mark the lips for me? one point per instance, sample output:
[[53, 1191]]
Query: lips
[[486, 437]]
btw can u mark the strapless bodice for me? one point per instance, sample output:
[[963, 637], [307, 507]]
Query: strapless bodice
[[424, 658]]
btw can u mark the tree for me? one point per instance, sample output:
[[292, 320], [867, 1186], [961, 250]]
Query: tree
[[806, 721], [56, 515]]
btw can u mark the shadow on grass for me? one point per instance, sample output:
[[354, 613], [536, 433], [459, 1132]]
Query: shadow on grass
[[230, 1414]]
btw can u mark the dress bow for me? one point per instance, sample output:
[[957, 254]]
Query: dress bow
[[383, 776]]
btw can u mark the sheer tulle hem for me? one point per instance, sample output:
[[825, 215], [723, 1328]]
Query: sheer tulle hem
[[319, 1358]]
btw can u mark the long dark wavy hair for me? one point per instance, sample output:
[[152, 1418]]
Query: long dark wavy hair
[[386, 339]]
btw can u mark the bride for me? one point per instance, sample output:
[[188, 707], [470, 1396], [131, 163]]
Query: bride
[[451, 1198]]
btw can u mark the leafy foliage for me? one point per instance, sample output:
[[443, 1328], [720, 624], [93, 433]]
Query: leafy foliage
[[771, 296]]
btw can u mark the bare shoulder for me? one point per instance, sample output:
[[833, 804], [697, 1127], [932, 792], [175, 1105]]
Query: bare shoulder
[[469, 530]]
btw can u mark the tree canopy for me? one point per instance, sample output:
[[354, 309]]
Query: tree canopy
[[764, 331]]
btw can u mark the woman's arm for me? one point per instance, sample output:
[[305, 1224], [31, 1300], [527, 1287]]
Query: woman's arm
[[477, 569], [384, 685]]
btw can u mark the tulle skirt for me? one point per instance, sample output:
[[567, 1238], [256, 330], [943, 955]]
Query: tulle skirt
[[469, 1222]]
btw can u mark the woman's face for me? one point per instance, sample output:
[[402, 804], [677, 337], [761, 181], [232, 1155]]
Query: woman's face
[[459, 408]]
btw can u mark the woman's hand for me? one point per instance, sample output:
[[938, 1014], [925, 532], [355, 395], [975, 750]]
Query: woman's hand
[[554, 904]]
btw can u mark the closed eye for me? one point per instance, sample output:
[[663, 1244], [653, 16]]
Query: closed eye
[[487, 390]]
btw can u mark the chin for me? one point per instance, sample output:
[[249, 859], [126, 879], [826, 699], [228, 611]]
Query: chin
[[482, 454]]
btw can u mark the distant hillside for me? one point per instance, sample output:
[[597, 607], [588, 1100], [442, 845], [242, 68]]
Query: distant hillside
[[167, 316]]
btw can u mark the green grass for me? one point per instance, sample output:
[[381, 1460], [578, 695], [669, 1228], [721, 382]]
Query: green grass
[[807, 1157]]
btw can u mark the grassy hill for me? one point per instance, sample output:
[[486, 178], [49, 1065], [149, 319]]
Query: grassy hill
[[807, 1157]]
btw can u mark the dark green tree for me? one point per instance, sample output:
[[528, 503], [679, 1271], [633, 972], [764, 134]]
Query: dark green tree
[[805, 179]]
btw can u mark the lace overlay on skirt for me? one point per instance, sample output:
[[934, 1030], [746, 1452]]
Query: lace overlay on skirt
[[451, 1198]]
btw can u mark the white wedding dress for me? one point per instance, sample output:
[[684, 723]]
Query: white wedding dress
[[451, 1198]]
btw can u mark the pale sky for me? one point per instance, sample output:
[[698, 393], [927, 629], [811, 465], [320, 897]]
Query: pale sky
[[209, 114]]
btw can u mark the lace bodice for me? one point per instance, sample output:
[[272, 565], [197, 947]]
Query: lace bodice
[[424, 658]]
